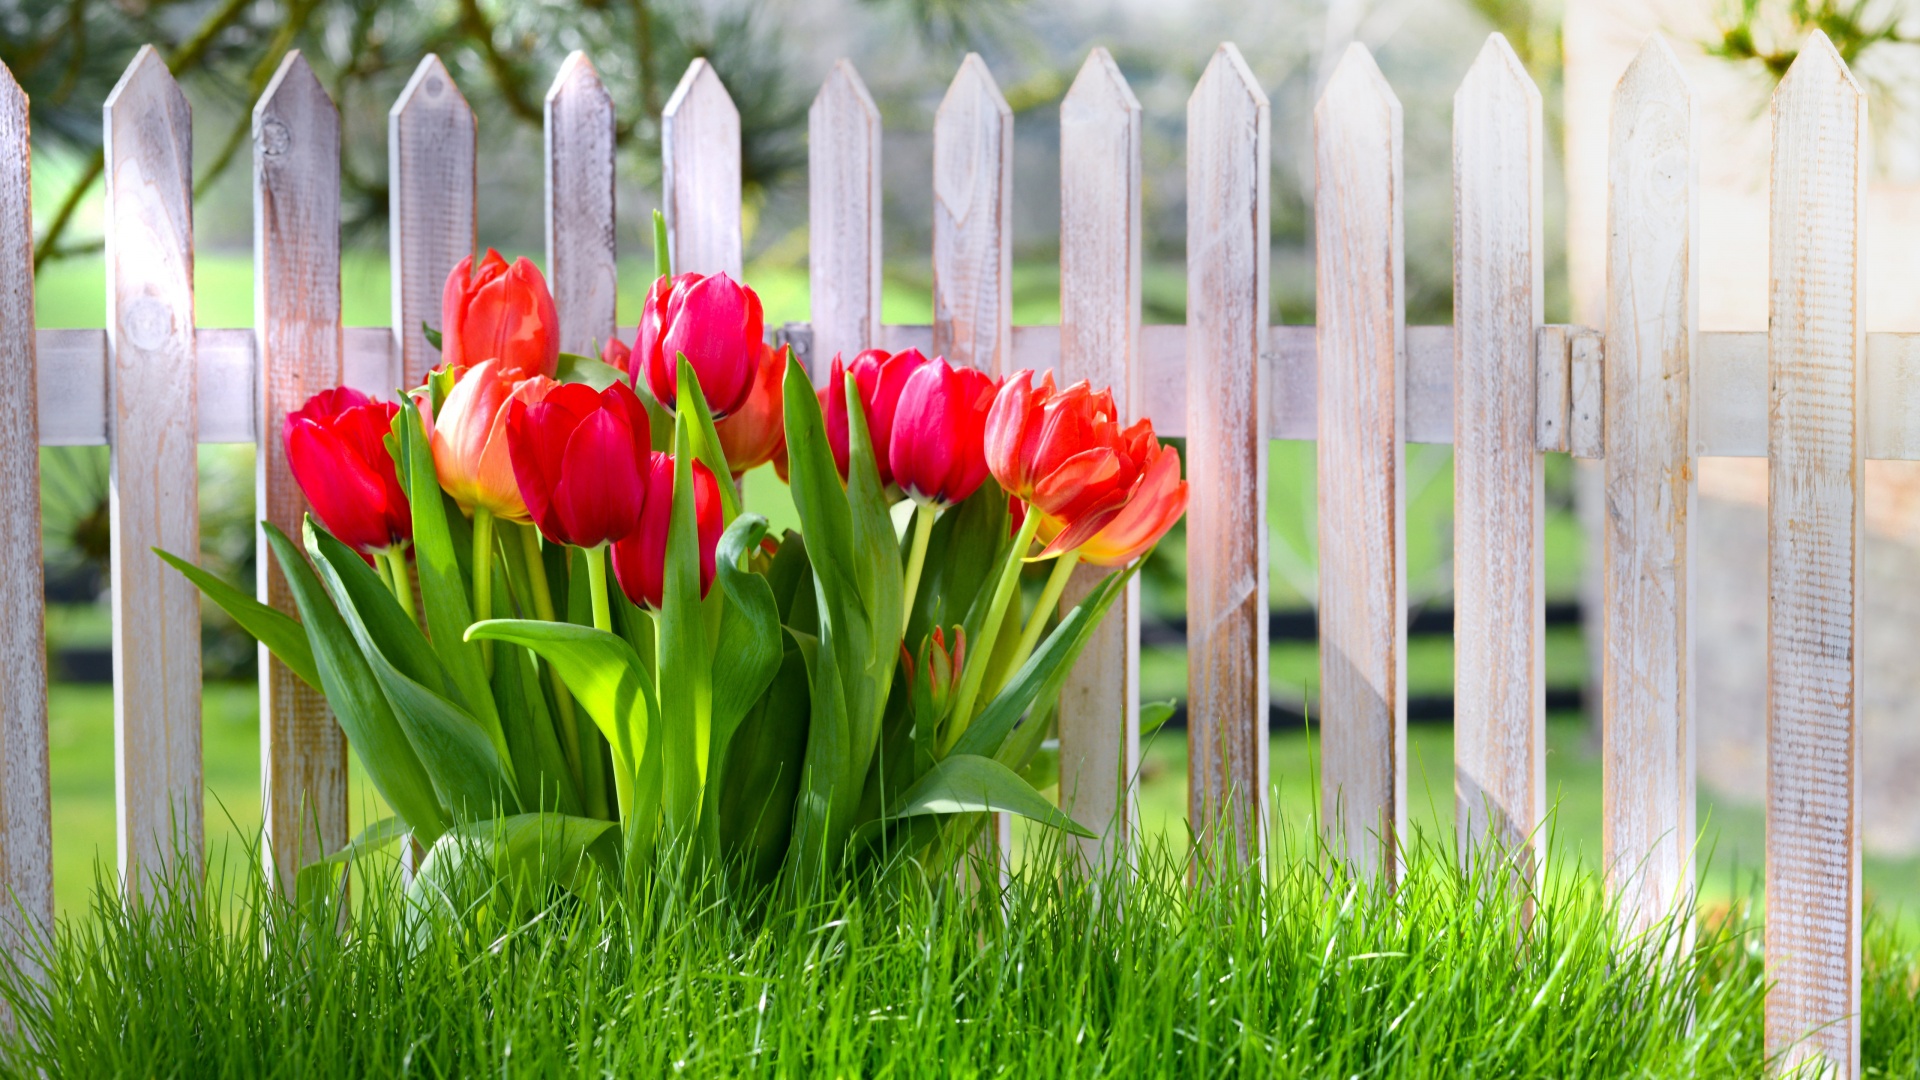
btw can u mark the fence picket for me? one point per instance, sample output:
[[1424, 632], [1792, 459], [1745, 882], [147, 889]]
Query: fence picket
[[843, 230], [1647, 683], [152, 428], [1361, 306], [430, 165], [700, 174], [581, 244], [1227, 254], [26, 839], [1815, 364], [972, 226], [1099, 341], [1499, 622], [296, 295]]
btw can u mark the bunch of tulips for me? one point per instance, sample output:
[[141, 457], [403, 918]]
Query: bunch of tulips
[[789, 705]]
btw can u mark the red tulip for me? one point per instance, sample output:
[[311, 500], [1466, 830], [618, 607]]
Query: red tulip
[[581, 459], [336, 448], [1064, 452], [1156, 502], [716, 323], [939, 425], [616, 355], [639, 561], [469, 439], [879, 378], [757, 430], [502, 313]]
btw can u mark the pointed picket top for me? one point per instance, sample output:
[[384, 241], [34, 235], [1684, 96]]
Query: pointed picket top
[[147, 76], [1227, 84], [581, 244], [1655, 73], [1100, 89], [430, 89], [844, 196], [12, 98], [431, 168], [700, 173], [972, 226], [1818, 70], [1356, 85], [1496, 77]]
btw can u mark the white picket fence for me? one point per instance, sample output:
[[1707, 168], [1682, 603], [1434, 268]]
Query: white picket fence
[[1815, 396]]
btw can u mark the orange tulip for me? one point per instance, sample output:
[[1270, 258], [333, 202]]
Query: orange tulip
[[502, 313], [1156, 502], [469, 438], [755, 432]]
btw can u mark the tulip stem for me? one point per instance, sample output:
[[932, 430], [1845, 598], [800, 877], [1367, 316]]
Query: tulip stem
[[923, 515], [483, 576], [975, 669], [400, 580], [543, 608], [1037, 622], [597, 588]]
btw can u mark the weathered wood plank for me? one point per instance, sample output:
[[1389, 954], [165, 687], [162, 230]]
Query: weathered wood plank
[[1227, 254], [1099, 341], [154, 484], [1653, 300], [1499, 622], [1361, 303], [581, 248], [296, 296], [1553, 388], [843, 222], [972, 222], [700, 174], [1586, 413], [26, 839], [430, 166], [1815, 363]]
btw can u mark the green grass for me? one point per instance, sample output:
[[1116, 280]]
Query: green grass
[[1298, 973]]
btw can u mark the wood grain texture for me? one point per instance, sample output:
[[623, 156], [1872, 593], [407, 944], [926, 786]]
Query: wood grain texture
[[1361, 304], [154, 490], [1099, 341], [972, 222], [700, 174], [581, 248], [1586, 412], [843, 222], [1653, 302], [1553, 389], [1228, 164], [296, 296], [1814, 548], [1499, 622], [430, 168], [26, 839]]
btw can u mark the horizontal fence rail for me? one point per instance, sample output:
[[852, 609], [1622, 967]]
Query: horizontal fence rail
[[1649, 394]]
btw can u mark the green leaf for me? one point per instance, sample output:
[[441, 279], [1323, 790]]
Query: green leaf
[[686, 661], [313, 885], [432, 335], [790, 576], [1155, 714], [968, 784], [763, 766], [443, 587], [539, 765], [706, 440], [372, 613], [662, 259], [600, 669], [968, 543], [1037, 684], [357, 700], [585, 369], [470, 775], [1043, 771], [874, 643], [751, 643], [281, 633], [523, 854]]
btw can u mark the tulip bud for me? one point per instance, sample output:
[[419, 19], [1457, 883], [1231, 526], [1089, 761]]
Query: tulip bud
[[615, 354], [879, 377], [469, 440], [336, 448], [716, 324], [580, 457], [932, 678], [501, 313], [639, 560], [937, 445], [758, 429]]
